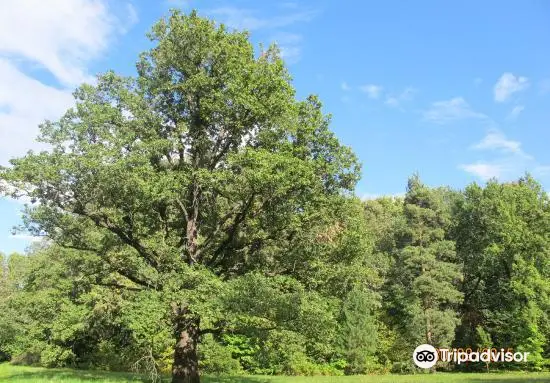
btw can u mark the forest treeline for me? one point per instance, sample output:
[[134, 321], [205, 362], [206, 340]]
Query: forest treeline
[[199, 217], [451, 268]]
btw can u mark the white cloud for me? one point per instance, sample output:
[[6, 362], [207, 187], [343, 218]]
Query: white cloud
[[396, 101], [495, 140], [26, 102], [373, 91], [133, 17], [509, 84], [240, 18], [485, 171], [509, 163], [443, 112], [58, 36], [289, 43], [515, 112], [345, 86]]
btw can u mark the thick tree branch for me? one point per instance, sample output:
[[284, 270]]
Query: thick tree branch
[[221, 223], [183, 209], [126, 237], [232, 230], [123, 273]]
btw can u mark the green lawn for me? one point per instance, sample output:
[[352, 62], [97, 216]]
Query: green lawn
[[17, 374]]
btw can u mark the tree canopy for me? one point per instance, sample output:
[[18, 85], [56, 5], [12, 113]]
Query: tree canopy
[[201, 169], [199, 216]]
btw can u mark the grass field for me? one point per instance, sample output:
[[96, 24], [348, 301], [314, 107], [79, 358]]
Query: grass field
[[17, 374]]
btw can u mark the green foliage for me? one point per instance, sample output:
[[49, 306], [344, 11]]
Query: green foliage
[[56, 312], [425, 275], [502, 237], [220, 172], [201, 203], [358, 332], [218, 359]]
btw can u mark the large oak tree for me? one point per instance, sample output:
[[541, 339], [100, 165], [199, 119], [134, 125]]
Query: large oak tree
[[202, 168]]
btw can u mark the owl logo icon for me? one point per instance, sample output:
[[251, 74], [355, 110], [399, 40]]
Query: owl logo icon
[[425, 356]]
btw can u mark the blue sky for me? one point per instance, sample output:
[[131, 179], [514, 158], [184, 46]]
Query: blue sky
[[457, 90]]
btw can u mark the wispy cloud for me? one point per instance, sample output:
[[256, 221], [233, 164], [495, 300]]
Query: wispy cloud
[[241, 18], [290, 45], [397, 100], [372, 90], [60, 37], [248, 19], [376, 92], [133, 16], [510, 162], [495, 140], [515, 112], [444, 112], [28, 102], [485, 171], [508, 84]]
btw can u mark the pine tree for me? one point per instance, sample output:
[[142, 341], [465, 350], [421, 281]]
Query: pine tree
[[425, 268]]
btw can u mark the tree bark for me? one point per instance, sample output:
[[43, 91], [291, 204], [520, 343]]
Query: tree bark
[[428, 326], [191, 231], [185, 368]]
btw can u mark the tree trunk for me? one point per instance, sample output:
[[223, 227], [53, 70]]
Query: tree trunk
[[185, 368], [192, 233], [428, 328]]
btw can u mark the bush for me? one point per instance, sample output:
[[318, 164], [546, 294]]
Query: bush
[[55, 356], [403, 368], [26, 359], [217, 359]]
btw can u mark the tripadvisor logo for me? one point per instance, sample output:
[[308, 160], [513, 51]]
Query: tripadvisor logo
[[426, 356]]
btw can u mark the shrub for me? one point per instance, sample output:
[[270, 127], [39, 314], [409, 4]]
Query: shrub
[[217, 359]]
